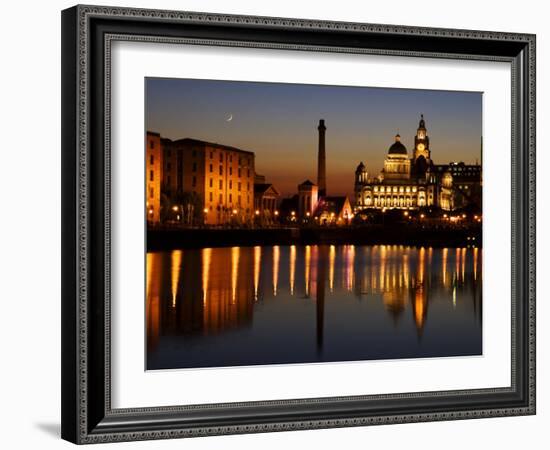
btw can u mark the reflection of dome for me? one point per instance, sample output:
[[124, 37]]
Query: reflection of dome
[[397, 148]]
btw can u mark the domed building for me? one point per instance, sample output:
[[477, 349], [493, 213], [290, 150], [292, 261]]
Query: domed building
[[397, 165], [405, 182]]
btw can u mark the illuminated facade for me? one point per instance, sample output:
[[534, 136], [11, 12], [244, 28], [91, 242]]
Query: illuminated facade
[[406, 183], [266, 197], [308, 196], [153, 176], [216, 181], [467, 183]]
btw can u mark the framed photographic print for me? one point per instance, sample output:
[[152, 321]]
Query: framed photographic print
[[281, 224]]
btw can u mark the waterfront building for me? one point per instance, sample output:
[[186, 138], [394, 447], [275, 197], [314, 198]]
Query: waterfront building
[[467, 183], [265, 201], [208, 182], [333, 210], [415, 182], [312, 202], [153, 176], [308, 196]]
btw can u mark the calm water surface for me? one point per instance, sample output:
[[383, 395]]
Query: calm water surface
[[298, 304]]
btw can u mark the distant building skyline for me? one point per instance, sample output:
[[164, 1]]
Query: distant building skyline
[[278, 122]]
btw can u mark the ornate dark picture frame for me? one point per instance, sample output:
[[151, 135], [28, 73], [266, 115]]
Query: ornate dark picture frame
[[87, 34]]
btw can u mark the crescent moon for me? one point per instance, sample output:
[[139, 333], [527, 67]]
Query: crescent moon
[[230, 118]]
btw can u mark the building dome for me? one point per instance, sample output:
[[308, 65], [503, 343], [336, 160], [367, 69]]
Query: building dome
[[361, 168], [397, 148]]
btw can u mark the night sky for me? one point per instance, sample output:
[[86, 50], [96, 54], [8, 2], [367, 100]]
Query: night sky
[[278, 122]]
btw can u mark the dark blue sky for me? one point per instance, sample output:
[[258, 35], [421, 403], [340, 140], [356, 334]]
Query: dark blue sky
[[279, 123]]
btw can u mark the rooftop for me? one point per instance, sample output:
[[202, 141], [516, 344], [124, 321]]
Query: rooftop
[[192, 141]]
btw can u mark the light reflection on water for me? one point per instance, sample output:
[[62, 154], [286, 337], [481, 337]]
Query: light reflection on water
[[291, 304]]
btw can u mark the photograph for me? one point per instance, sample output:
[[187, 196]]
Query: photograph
[[280, 220], [300, 223]]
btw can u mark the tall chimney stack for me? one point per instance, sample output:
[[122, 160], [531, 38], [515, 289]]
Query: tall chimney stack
[[321, 161]]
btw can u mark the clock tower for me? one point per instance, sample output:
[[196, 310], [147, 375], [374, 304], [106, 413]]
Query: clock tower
[[421, 142]]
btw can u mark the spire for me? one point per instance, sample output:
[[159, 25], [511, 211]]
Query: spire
[[422, 124]]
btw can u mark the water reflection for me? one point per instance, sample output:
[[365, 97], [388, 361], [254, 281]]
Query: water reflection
[[281, 304]]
